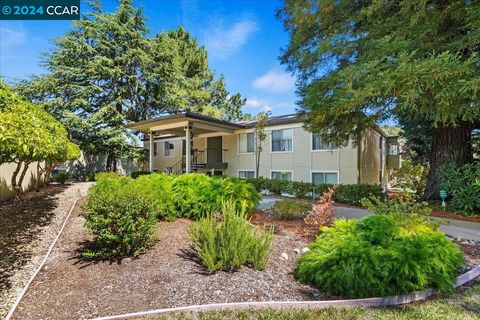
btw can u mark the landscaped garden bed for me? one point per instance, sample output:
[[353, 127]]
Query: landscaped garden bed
[[27, 228], [160, 241]]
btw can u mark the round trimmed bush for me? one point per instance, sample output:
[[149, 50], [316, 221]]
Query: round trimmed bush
[[377, 256]]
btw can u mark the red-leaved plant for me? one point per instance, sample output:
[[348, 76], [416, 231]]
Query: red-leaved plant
[[322, 213]]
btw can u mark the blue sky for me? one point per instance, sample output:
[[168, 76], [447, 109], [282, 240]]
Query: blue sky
[[243, 39]]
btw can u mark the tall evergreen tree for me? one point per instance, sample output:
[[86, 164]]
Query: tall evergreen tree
[[361, 62], [106, 72]]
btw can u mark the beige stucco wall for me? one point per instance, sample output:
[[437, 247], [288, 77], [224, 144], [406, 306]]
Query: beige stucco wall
[[302, 161], [6, 172]]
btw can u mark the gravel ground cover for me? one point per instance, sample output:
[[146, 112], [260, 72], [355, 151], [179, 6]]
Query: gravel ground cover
[[27, 228]]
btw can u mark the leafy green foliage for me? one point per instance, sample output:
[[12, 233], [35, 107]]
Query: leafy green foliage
[[404, 204], [377, 256], [463, 186], [28, 133], [409, 176], [198, 195], [107, 71], [121, 216], [231, 242], [290, 209], [354, 67], [160, 186], [62, 177], [352, 194], [244, 195], [300, 189]]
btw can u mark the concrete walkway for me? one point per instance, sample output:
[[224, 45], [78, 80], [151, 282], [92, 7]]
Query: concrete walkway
[[464, 230]]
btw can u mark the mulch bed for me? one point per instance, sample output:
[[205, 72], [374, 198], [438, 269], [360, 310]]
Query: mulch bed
[[27, 228], [166, 276], [451, 215]]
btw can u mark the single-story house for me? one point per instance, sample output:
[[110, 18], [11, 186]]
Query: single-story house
[[192, 142]]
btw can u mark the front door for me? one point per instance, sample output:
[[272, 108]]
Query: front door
[[214, 149]]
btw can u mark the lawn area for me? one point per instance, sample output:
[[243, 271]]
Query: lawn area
[[465, 304]]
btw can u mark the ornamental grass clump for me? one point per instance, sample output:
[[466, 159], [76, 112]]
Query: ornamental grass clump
[[227, 241], [377, 256]]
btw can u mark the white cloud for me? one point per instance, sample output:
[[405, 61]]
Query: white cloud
[[222, 42], [258, 104], [12, 35], [275, 81]]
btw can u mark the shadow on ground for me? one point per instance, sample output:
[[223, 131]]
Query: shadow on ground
[[20, 224]]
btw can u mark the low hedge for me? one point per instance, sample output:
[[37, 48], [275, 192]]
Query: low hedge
[[350, 194]]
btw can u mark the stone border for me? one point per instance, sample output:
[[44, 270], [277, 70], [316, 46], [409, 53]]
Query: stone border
[[20, 296], [366, 302]]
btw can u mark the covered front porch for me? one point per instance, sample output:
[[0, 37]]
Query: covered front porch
[[188, 129]]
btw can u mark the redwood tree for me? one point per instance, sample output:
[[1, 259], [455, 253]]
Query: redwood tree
[[360, 63]]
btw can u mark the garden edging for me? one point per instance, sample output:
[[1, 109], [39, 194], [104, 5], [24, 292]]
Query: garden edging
[[365, 302], [22, 293]]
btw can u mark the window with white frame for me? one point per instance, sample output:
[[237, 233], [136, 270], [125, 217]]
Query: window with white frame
[[282, 175], [324, 177], [155, 149], [282, 140], [318, 144], [169, 149], [246, 142], [246, 174]]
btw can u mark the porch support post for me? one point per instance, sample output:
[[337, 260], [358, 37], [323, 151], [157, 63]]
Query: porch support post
[[188, 148], [150, 164]]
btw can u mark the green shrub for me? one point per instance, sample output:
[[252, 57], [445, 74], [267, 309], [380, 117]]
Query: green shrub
[[300, 189], [121, 216], [463, 187], [231, 242], [259, 183], [290, 209], [278, 186], [378, 256], [62, 177], [244, 195], [320, 189], [352, 194], [137, 174], [160, 185], [196, 195]]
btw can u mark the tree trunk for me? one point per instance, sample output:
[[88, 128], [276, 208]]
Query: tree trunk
[[14, 179], [40, 172], [18, 185], [111, 163], [450, 145]]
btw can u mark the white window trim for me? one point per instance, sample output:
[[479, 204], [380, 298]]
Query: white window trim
[[282, 170], [156, 143], [271, 142], [324, 171], [174, 149], [238, 144], [320, 150], [251, 170]]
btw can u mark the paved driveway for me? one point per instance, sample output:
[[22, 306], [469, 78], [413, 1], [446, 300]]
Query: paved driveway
[[454, 228]]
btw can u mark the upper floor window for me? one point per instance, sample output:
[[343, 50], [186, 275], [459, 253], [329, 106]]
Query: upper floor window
[[169, 149], [246, 142], [282, 140], [318, 144]]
